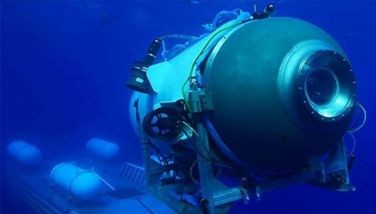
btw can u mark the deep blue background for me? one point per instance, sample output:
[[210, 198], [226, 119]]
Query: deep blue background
[[64, 64]]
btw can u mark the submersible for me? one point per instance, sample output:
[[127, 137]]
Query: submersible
[[263, 100]]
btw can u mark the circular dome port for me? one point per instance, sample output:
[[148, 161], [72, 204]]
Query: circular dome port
[[328, 84], [321, 86]]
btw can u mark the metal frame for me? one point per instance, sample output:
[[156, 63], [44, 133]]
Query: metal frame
[[330, 173]]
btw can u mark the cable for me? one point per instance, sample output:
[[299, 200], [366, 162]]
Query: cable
[[174, 36], [352, 131], [102, 179], [191, 171], [190, 128], [210, 156], [220, 143], [353, 142], [218, 31], [364, 119], [197, 150], [179, 36], [163, 53]]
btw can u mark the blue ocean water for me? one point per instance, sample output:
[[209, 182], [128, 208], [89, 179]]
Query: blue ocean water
[[64, 65]]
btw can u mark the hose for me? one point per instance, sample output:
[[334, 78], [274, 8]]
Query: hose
[[352, 131], [174, 36], [364, 119]]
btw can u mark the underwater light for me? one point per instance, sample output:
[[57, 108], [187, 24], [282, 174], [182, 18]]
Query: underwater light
[[139, 80], [264, 100]]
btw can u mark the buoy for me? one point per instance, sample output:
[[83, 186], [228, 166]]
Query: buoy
[[25, 153], [102, 148], [82, 184]]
